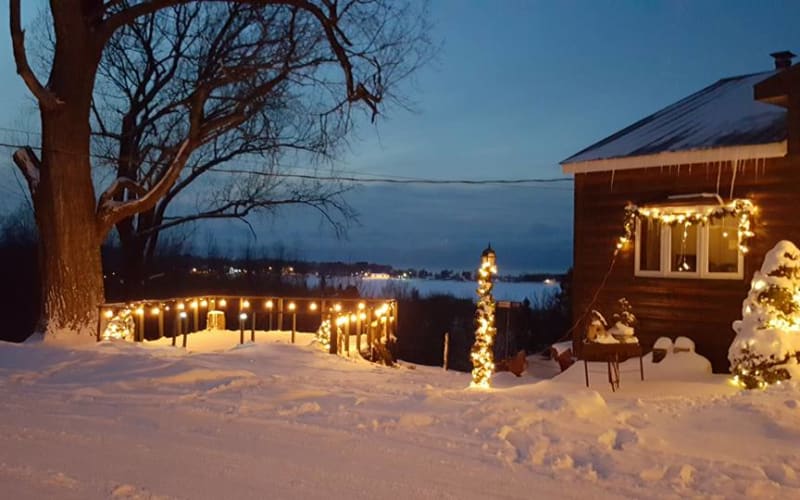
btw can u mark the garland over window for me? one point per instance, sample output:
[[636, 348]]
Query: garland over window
[[742, 209]]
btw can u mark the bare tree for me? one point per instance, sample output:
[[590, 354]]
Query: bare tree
[[259, 71], [154, 64]]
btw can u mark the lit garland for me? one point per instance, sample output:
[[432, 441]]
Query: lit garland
[[742, 209], [482, 355]]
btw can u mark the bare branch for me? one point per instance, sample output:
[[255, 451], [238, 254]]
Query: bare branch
[[111, 212], [46, 98], [28, 163], [117, 187]]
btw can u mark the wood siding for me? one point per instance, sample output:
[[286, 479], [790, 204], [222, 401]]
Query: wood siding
[[702, 310]]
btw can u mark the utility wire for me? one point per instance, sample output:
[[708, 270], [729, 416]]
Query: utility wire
[[363, 179]]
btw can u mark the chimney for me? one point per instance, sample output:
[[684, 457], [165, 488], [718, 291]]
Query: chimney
[[783, 59]]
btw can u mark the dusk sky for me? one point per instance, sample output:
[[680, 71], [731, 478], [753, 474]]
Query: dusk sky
[[516, 87]]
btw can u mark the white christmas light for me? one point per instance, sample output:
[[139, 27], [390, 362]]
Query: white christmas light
[[482, 355]]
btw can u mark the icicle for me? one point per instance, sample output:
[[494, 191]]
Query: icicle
[[611, 188], [719, 174], [733, 176]]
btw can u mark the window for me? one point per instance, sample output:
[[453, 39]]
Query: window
[[708, 251], [683, 249], [723, 246], [649, 252]]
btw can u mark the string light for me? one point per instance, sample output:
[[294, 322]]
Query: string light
[[154, 311], [742, 209], [223, 302], [292, 306], [245, 304], [312, 306], [268, 304], [482, 355], [195, 304]]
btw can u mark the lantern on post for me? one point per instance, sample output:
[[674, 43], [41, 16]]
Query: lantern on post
[[482, 355]]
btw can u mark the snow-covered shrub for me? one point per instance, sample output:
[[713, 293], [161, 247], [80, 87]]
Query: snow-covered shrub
[[324, 333], [120, 327], [597, 331], [768, 335], [624, 321]]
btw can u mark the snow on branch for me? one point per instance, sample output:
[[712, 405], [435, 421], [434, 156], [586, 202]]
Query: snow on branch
[[28, 163], [46, 98], [118, 186], [110, 211]]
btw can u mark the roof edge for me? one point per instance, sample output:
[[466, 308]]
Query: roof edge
[[671, 158]]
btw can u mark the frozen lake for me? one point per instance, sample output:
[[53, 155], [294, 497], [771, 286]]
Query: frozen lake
[[391, 287]]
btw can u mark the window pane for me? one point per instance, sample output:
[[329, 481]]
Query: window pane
[[683, 249], [723, 246], [649, 245]]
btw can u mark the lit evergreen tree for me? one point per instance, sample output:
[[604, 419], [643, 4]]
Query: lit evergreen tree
[[768, 335]]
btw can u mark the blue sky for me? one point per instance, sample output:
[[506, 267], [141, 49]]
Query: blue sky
[[517, 86]]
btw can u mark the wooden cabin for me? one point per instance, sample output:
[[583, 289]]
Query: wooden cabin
[[674, 191]]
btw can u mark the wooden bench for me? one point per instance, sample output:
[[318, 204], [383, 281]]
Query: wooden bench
[[612, 355]]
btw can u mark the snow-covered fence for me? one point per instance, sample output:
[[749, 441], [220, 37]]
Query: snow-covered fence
[[372, 322]]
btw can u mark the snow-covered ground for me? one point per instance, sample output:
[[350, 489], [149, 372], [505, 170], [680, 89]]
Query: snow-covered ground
[[276, 420]]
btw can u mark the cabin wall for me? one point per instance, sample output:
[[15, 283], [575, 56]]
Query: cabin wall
[[702, 310]]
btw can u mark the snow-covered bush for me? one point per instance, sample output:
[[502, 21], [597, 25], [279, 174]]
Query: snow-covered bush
[[120, 327], [768, 335], [624, 321]]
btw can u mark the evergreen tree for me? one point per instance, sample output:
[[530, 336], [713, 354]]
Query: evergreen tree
[[768, 335]]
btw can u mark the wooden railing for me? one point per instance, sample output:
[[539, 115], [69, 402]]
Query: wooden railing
[[375, 319]]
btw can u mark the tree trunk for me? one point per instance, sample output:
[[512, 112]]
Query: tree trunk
[[65, 204]]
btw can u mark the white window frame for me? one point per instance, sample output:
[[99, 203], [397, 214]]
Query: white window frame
[[665, 271]]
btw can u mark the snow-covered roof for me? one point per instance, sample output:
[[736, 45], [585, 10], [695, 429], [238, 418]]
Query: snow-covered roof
[[721, 122]]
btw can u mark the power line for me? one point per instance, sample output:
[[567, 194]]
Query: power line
[[375, 179]]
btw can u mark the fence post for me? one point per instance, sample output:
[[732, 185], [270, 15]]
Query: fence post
[[185, 330], [347, 335], [139, 337], [176, 330], [99, 321], [446, 349], [333, 341], [253, 327], [280, 315]]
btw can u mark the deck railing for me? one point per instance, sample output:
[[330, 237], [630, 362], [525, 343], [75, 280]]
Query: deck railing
[[179, 317]]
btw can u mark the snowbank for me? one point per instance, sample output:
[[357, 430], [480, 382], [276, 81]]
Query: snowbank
[[277, 420]]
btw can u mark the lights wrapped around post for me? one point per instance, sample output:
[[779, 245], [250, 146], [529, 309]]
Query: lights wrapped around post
[[741, 209], [482, 355]]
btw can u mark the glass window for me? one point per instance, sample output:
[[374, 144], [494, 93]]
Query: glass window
[[649, 245], [683, 248], [723, 245]]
